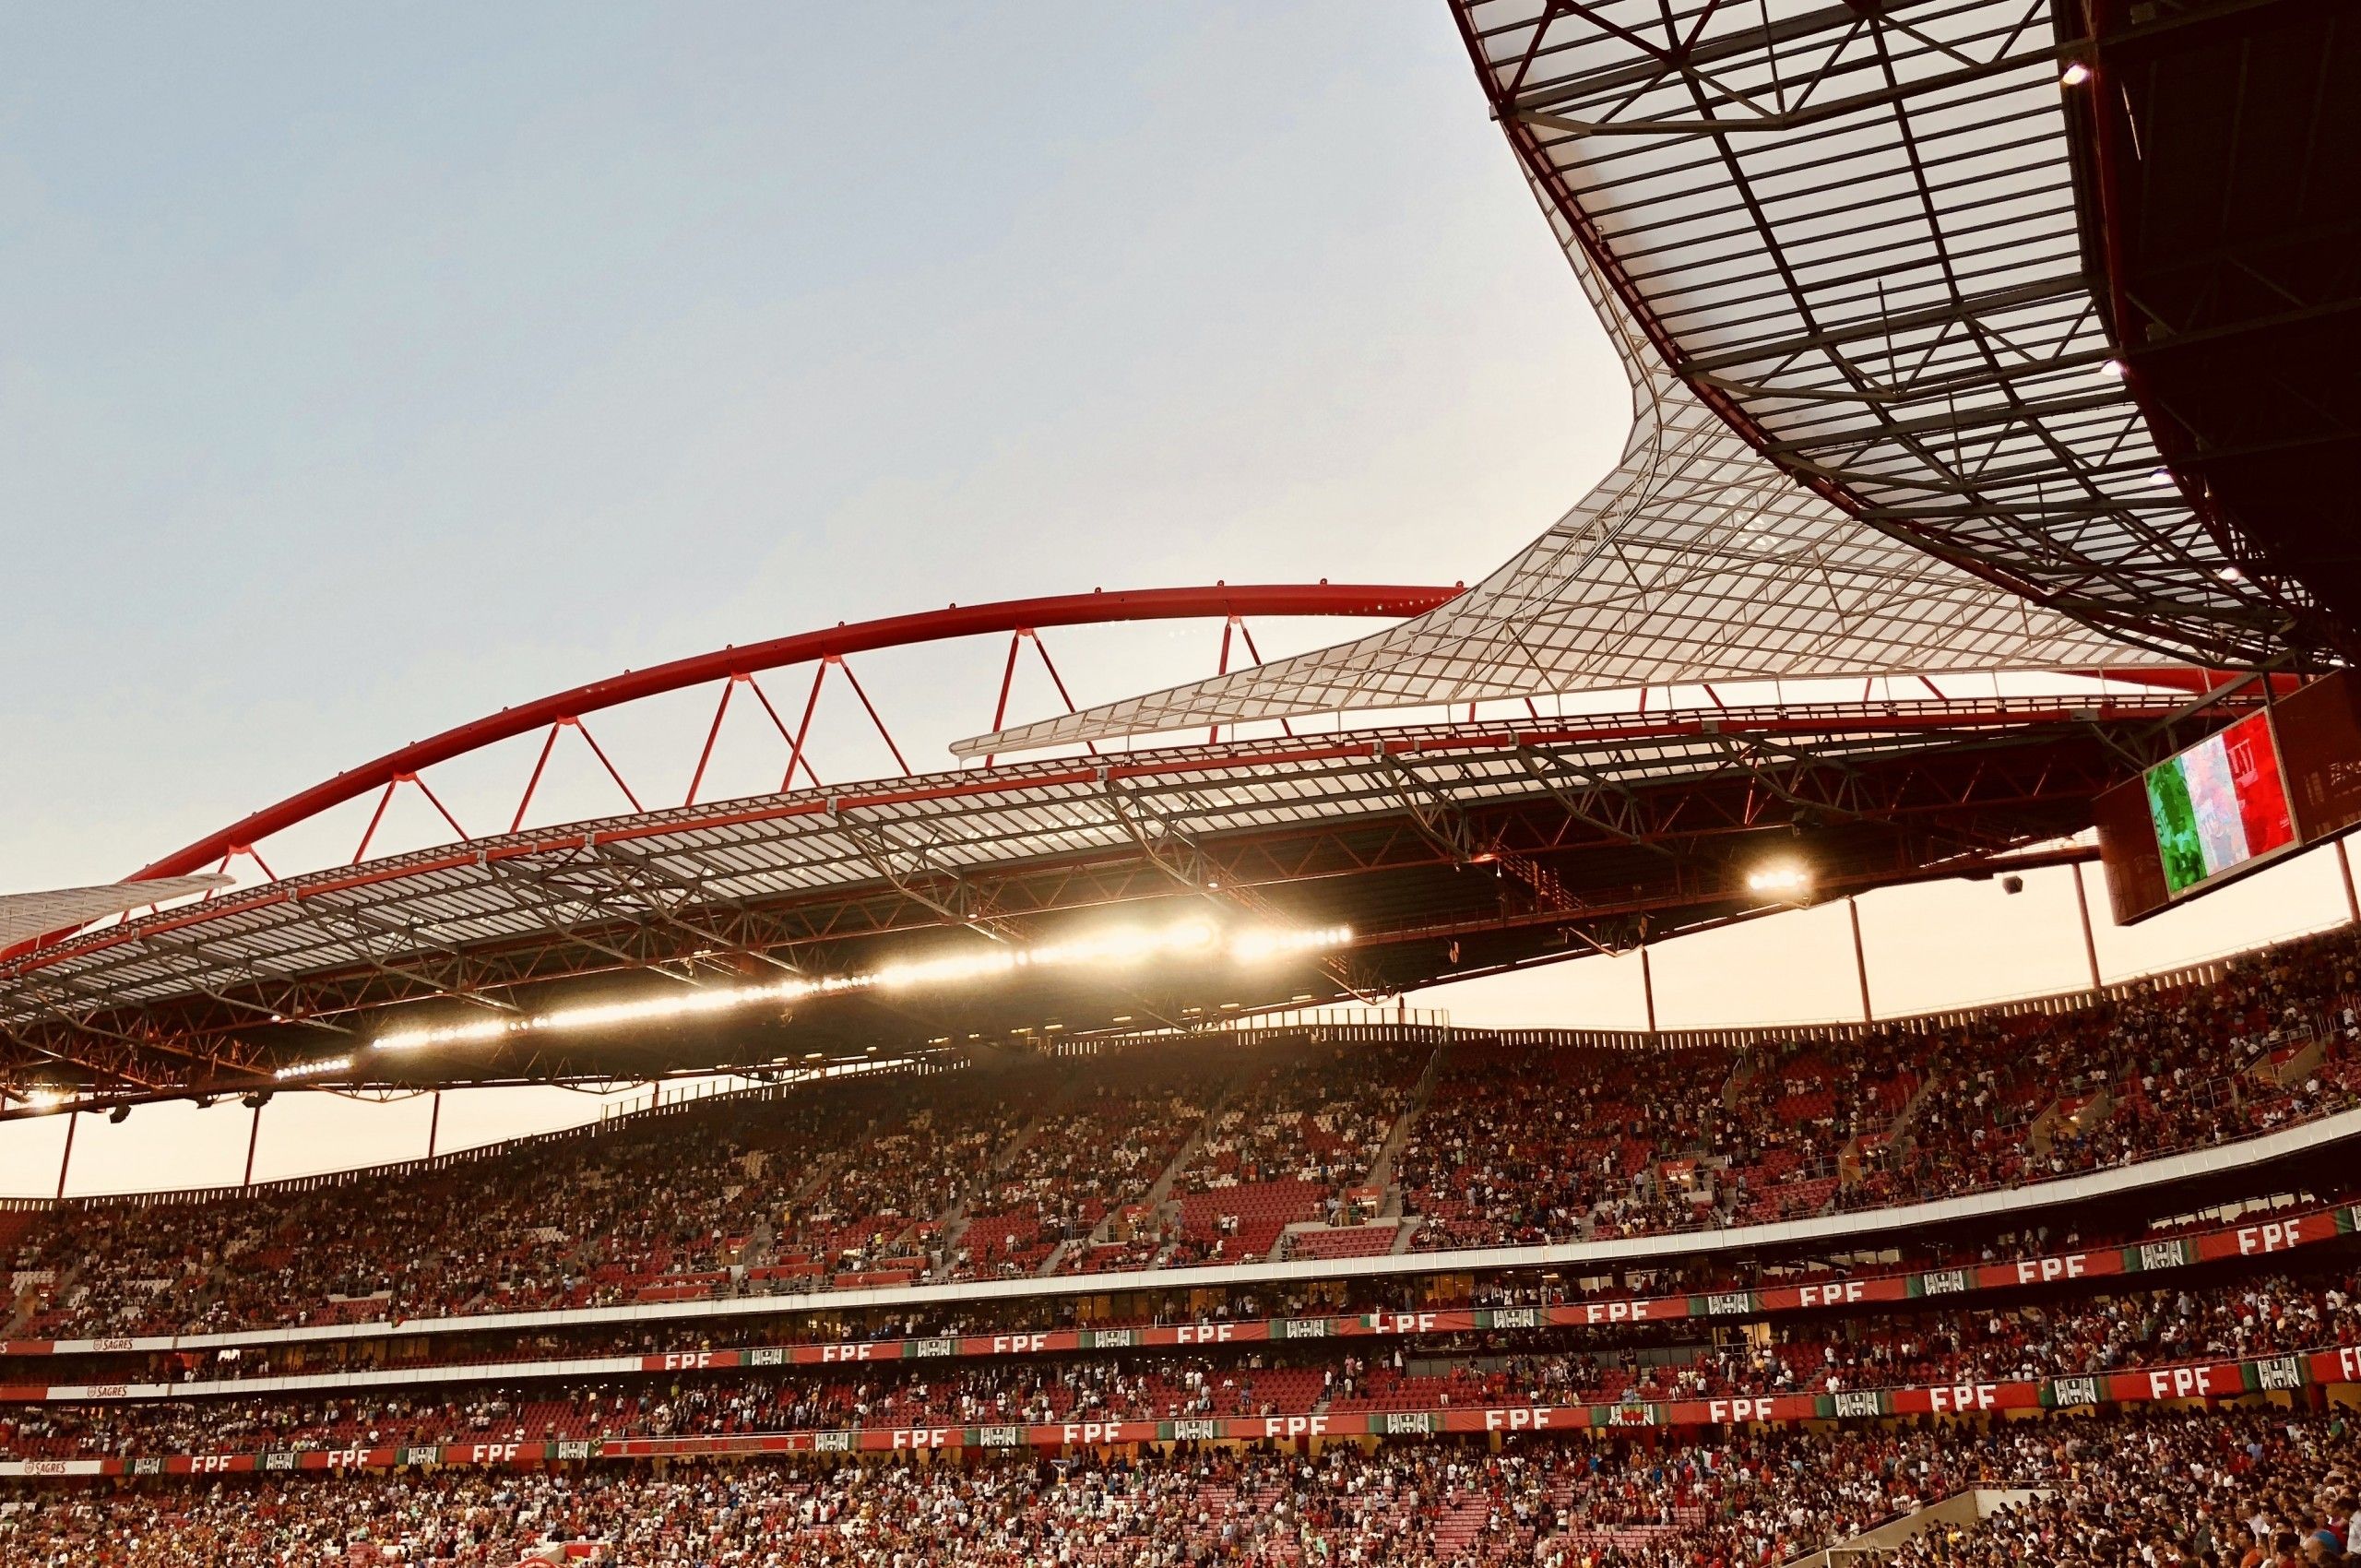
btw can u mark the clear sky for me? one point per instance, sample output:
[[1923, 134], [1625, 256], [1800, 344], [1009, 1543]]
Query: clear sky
[[363, 370]]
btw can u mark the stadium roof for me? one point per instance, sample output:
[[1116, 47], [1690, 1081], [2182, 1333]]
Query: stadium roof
[[2223, 138], [24, 916], [1449, 850], [1877, 423], [1846, 255]]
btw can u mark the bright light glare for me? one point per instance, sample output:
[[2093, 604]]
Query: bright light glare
[[1125, 944], [449, 1034], [1786, 877], [1257, 946], [2075, 73], [314, 1069], [44, 1100], [1115, 946], [681, 1003], [603, 1014], [944, 971]]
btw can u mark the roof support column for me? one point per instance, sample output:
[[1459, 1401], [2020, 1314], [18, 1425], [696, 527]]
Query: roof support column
[[1860, 958], [2090, 940], [72, 1120]]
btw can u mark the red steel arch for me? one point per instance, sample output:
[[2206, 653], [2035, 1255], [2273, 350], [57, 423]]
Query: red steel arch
[[1015, 616]]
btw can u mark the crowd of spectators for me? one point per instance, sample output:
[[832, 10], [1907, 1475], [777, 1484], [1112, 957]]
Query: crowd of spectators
[[1704, 1273], [1519, 1146], [1292, 1146], [1687, 1359], [2248, 1491], [2163, 1489], [572, 1222], [1095, 1156], [875, 1207], [1165, 1156]]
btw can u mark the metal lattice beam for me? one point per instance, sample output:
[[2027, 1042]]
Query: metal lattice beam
[[1618, 818]]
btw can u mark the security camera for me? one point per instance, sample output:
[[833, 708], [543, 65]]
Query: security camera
[[2013, 884]]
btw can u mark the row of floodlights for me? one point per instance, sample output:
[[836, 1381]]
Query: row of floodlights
[[1118, 948], [51, 1099], [1121, 946]]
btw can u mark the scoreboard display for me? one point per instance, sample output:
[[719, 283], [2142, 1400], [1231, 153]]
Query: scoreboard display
[[2274, 782], [2219, 806]]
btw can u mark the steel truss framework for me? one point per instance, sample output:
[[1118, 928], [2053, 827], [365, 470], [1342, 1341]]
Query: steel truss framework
[[1837, 248], [825, 650], [26, 915], [1511, 840]]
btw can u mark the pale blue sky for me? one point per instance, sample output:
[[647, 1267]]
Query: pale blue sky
[[363, 370]]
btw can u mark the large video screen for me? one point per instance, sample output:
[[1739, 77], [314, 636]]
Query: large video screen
[[2276, 781], [2219, 805]]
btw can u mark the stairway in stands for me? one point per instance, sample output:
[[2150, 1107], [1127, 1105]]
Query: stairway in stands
[[1159, 1191], [1389, 1231], [951, 1225]]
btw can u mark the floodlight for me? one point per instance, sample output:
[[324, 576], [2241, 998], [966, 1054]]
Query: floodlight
[[314, 1069], [1784, 877]]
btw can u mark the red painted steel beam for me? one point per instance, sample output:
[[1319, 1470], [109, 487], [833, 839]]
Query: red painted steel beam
[[1388, 600], [1840, 720]]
